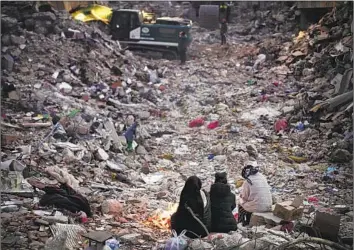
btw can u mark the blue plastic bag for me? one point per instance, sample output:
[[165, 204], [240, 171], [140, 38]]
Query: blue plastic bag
[[177, 242], [113, 244]]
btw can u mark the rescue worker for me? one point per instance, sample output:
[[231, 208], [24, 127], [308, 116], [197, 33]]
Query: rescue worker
[[223, 31], [182, 47]]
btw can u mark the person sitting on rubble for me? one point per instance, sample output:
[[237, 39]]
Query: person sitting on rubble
[[62, 196], [222, 204], [255, 195], [193, 212]]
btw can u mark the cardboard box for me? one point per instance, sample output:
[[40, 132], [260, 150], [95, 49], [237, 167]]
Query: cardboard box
[[287, 212], [328, 225]]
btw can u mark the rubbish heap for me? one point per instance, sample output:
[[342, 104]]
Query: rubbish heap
[[126, 132]]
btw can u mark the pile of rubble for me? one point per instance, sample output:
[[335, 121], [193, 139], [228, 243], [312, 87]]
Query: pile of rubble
[[259, 18], [70, 94]]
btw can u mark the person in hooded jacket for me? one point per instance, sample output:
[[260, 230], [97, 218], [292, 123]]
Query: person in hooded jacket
[[198, 201], [222, 204], [255, 196]]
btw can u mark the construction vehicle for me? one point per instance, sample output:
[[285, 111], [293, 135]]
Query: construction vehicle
[[140, 31]]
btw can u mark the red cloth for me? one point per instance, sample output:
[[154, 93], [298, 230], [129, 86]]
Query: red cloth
[[281, 124], [213, 125], [196, 123]]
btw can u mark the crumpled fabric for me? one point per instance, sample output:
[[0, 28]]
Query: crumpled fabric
[[62, 176], [66, 198]]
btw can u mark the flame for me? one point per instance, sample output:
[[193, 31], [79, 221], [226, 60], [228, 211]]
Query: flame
[[162, 218]]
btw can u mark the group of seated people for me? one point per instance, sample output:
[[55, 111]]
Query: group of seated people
[[200, 212]]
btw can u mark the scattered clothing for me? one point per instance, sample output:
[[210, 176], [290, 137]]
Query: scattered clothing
[[66, 198], [222, 204], [255, 195], [199, 202], [63, 176]]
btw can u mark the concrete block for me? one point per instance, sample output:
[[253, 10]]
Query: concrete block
[[268, 218]]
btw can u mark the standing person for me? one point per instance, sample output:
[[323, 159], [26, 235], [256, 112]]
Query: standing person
[[222, 204], [196, 199], [182, 46], [255, 195], [223, 31]]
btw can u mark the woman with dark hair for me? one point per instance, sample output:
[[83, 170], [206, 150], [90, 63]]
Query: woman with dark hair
[[255, 195], [222, 204], [193, 212]]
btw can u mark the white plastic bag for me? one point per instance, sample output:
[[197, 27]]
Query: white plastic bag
[[177, 242]]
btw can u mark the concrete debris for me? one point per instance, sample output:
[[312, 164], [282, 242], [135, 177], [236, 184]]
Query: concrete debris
[[111, 207], [101, 155], [278, 96]]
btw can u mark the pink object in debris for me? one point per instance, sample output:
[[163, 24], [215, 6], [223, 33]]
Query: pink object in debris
[[281, 124], [312, 199], [196, 123], [83, 217], [213, 125]]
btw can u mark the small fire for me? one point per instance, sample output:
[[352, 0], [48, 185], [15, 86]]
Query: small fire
[[162, 218]]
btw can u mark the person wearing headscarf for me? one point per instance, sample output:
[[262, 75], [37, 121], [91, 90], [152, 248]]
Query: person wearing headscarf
[[196, 199], [222, 204], [255, 195]]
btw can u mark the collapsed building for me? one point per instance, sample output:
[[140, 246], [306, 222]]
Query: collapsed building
[[70, 92]]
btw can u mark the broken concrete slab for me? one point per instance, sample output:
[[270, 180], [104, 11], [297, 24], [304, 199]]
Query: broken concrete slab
[[131, 238], [258, 219], [101, 155], [7, 62], [56, 219]]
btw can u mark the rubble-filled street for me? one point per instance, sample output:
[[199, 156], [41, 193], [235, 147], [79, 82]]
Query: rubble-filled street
[[275, 94]]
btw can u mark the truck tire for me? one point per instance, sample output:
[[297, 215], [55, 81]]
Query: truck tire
[[169, 55], [209, 16]]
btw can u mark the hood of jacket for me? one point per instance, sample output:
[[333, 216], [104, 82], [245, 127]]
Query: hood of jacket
[[220, 189]]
